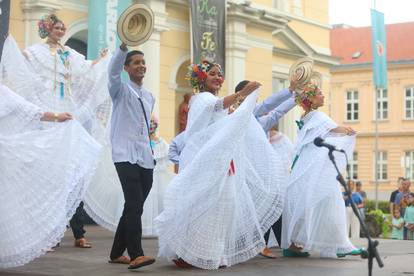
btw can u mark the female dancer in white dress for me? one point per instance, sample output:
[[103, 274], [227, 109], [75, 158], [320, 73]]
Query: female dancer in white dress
[[43, 175], [314, 213], [153, 205], [56, 77], [228, 191]]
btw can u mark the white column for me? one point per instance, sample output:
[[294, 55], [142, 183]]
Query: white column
[[236, 49], [151, 50], [33, 11]]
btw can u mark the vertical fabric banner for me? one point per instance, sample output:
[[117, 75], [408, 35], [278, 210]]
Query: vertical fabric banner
[[379, 49], [102, 18], [4, 22], [208, 24]]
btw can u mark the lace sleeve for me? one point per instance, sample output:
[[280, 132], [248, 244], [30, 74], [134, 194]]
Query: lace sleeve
[[16, 114], [219, 105]]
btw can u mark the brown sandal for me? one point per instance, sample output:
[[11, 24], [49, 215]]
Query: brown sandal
[[82, 243], [267, 253], [140, 262], [120, 260]]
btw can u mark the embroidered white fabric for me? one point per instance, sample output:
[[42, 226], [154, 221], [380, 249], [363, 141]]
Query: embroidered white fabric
[[34, 78], [211, 218], [162, 177], [284, 150], [314, 214], [43, 175]]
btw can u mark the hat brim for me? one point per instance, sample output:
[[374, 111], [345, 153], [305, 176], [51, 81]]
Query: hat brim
[[135, 25]]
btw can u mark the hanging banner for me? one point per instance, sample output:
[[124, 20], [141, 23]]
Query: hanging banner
[[208, 25], [379, 49], [4, 22], [102, 19]]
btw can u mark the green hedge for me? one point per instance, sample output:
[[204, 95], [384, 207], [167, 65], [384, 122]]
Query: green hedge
[[378, 223], [383, 205]]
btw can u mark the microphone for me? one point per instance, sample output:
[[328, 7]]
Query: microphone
[[319, 142]]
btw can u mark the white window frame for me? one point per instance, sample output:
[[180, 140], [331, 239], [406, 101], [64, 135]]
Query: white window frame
[[281, 5], [297, 7], [354, 102], [382, 164], [411, 100], [409, 164], [382, 100], [279, 83], [353, 166]]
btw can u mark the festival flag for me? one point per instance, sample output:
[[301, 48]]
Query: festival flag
[[379, 49], [102, 29], [208, 25]]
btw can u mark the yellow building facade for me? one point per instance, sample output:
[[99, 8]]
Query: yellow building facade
[[263, 38]]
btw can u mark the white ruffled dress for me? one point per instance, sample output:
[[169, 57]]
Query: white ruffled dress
[[43, 175], [284, 149], [162, 176], [314, 213], [215, 213], [80, 88]]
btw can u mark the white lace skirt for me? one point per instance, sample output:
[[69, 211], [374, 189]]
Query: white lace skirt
[[104, 199], [212, 218], [154, 203], [43, 175], [314, 214]]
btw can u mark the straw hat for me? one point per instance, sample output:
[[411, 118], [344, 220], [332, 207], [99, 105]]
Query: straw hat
[[135, 25]]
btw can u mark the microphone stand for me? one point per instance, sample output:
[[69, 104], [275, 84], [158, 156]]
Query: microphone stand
[[372, 245]]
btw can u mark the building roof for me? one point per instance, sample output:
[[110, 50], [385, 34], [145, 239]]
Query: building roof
[[353, 44]]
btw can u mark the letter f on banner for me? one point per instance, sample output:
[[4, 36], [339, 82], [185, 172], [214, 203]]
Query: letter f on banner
[[379, 49]]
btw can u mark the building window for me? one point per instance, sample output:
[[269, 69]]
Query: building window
[[409, 103], [353, 166], [352, 106], [382, 104], [409, 164], [278, 84], [297, 7], [281, 5], [382, 165]]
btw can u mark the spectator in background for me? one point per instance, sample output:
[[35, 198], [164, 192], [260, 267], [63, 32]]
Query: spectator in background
[[409, 218], [352, 222], [394, 194], [363, 194], [397, 225], [403, 199]]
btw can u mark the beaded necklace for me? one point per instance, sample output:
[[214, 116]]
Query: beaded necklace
[[60, 54]]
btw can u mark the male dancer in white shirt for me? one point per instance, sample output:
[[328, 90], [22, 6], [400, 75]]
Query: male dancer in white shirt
[[131, 151]]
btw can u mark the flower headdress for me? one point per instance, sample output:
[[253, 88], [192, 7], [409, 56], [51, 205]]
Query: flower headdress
[[197, 73], [309, 90], [302, 98], [46, 24]]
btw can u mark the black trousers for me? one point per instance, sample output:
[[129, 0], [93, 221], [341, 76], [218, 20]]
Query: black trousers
[[77, 222], [136, 184], [277, 229]]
